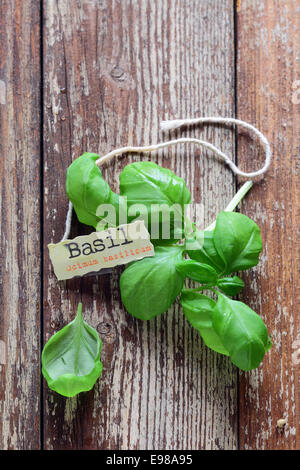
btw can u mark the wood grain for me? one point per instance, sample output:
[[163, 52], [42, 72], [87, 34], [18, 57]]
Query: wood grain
[[268, 35], [112, 72], [20, 225]]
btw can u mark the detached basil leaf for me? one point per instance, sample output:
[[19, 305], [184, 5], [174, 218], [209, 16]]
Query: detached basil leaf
[[157, 189], [199, 272], [231, 285], [198, 310], [87, 190], [242, 332], [237, 240], [71, 358], [202, 249], [150, 286]]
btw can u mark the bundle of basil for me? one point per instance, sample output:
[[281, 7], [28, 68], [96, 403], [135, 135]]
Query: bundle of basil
[[150, 286]]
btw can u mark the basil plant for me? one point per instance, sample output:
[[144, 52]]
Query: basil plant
[[149, 286]]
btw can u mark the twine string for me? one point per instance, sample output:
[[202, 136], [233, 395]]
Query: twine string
[[175, 124]]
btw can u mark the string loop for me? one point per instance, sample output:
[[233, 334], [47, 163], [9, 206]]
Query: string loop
[[175, 124]]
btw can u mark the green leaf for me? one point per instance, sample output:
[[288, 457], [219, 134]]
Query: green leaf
[[199, 272], [157, 189], [237, 240], [150, 286], [198, 310], [87, 190], [242, 332], [202, 249], [71, 358], [231, 285]]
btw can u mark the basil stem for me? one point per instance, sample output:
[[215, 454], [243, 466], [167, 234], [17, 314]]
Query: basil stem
[[234, 201]]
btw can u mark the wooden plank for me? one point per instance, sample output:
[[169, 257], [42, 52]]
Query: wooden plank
[[112, 72], [267, 96], [20, 225]]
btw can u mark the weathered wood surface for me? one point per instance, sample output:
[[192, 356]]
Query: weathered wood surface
[[20, 225], [268, 95], [126, 66], [112, 70]]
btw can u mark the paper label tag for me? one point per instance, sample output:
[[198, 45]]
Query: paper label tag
[[99, 250]]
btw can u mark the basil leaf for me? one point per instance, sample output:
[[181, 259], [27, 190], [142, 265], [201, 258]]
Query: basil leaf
[[242, 332], [87, 190], [237, 240], [71, 358], [199, 272], [231, 285], [202, 249], [157, 189], [198, 310], [151, 285]]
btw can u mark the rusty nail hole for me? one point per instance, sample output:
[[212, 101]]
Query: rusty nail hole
[[281, 423], [104, 328], [117, 73]]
